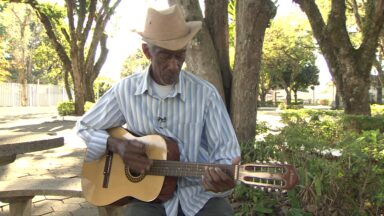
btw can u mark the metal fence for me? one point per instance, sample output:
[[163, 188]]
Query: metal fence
[[37, 94]]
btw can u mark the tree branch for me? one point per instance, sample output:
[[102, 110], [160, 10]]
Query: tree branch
[[70, 19], [102, 57], [315, 19], [90, 19], [372, 27], [66, 35], [101, 22], [80, 17], [52, 36], [355, 10]]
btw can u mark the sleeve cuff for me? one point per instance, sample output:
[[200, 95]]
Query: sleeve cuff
[[97, 145]]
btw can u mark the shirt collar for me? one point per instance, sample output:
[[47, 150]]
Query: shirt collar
[[145, 86]]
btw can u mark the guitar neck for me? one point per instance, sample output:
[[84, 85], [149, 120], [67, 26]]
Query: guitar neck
[[176, 168]]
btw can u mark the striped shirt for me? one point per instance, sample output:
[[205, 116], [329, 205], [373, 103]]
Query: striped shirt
[[193, 114]]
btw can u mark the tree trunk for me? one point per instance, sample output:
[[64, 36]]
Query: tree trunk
[[89, 93], [288, 97], [23, 80], [84, 17], [379, 94], [201, 55], [67, 86], [252, 19], [263, 96], [380, 77], [337, 99], [216, 18], [295, 95], [79, 85], [354, 85], [350, 67]]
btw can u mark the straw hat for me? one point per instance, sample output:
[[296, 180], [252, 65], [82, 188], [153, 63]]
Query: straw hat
[[168, 29]]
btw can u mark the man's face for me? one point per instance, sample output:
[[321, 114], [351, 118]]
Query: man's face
[[166, 64]]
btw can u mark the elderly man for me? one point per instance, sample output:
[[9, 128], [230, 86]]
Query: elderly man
[[166, 100]]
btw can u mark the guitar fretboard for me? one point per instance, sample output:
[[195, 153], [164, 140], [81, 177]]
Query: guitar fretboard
[[176, 168]]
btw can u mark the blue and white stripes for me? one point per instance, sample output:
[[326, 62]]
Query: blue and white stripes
[[193, 114]]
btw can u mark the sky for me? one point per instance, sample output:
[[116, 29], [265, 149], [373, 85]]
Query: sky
[[122, 41]]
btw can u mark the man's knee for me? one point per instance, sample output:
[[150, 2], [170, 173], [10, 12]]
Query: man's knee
[[144, 209], [216, 206]]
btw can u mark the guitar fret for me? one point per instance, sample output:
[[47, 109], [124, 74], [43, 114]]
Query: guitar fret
[[176, 168]]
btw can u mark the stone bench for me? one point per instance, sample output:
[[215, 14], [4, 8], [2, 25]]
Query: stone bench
[[20, 192]]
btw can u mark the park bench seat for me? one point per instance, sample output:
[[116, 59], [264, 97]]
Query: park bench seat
[[20, 192]]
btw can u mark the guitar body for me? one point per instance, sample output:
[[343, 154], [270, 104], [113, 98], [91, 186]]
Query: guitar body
[[122, 183], [159, 182]]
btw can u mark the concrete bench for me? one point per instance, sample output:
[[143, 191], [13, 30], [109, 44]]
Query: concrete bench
[[20, 192]]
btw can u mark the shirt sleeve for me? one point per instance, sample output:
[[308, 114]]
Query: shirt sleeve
[[106, 113], [223, 145]]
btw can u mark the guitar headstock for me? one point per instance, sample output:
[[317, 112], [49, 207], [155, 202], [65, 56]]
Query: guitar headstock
[[278, 176]]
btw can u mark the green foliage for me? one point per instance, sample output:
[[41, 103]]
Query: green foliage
[[289, 55], [23, 40], [102, 85], [350, 122], [377, 110], [232, 22], [281, 105], [341, 171], [47, 66], [308, 75], [135, 62], [68, 107], [360, 123], [88, 105], [255, 202]]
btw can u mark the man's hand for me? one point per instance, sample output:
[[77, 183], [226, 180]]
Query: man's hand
[[216, 180], [132, 152]]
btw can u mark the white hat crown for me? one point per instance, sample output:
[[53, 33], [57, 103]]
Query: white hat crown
[[168, 29]]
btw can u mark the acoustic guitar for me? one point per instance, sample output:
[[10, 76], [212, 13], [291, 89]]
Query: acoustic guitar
[[108, 180]]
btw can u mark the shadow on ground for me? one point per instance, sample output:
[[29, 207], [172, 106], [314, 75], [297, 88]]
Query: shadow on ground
[[6, 118], [44, 127]]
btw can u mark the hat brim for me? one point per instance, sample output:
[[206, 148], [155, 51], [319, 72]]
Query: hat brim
[[177, 43]]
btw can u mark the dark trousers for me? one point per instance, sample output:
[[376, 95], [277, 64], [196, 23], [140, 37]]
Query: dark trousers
[[214, 207]]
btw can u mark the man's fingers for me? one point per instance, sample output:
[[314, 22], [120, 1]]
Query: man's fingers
[[136, 146], [236, 160], [138, 167], [141, 159], [207, 184], [216, 180]]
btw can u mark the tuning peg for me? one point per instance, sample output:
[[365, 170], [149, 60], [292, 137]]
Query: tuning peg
[[269, 190], [257, 161], [264, 161]]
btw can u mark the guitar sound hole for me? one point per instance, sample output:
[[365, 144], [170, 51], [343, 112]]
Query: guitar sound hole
[[133, 176]]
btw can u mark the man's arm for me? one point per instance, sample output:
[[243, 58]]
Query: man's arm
[[106, 114], [91, 127], [223, 146]]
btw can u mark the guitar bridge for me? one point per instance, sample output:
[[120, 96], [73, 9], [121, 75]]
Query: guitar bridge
[[107, 169]]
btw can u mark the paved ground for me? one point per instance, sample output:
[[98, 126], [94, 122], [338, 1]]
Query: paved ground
[[59, 162]]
